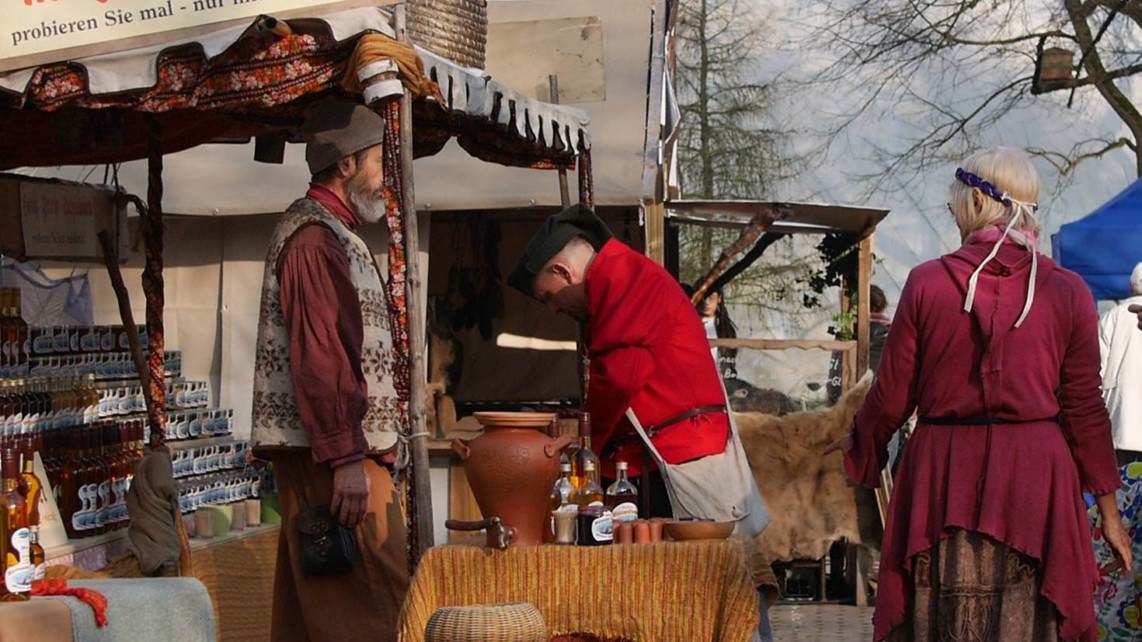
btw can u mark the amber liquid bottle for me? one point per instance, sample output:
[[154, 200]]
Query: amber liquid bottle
[[39, 557], [14, 532], [69, 485], [584, 456], [32, 488]]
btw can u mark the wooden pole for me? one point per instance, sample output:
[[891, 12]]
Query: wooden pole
[[564, 187], [153, 284], [416, 330], [864, 281]]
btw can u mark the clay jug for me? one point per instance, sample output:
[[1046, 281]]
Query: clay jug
[[512, 468]]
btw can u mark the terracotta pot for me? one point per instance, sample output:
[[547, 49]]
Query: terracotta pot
[[512, 468]]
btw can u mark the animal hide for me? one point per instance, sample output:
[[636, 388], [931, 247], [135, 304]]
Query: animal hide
[[810, 497]]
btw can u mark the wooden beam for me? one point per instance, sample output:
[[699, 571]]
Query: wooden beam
[[783, 344], [564, 187], [414, 288], [655, 216], [864, 281]]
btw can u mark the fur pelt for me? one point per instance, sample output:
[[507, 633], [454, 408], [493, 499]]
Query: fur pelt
[[810, 497]]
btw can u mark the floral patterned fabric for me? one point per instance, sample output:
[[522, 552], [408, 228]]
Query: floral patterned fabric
[[1118, 600]]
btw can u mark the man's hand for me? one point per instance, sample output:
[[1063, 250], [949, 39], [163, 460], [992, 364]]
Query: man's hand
[[350, 493], [1137, 309]]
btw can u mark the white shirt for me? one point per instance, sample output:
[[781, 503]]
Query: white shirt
[[711, 333], [1120, 341]]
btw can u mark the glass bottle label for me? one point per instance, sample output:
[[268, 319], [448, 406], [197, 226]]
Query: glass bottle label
[[625, 512], [602, 529], [18, 578]]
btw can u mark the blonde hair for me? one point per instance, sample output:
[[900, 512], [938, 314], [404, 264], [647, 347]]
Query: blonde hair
[[1008, 169]]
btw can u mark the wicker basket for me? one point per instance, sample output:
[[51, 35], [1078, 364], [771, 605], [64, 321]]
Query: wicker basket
[[486, 623], [455, 29]]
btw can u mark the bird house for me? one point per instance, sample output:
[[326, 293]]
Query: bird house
[[1056, 64]]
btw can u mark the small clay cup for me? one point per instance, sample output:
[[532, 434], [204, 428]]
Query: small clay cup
[[624, 533], [641, 532]]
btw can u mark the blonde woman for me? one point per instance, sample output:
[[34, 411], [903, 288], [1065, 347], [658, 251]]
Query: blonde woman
[[996, 347]]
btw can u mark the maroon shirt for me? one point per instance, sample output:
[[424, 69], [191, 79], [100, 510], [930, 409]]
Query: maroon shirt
[[1016, 482], [326, 331]]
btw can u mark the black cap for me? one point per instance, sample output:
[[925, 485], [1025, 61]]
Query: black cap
[[553, 236]]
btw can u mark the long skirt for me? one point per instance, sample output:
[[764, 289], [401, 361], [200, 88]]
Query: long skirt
[[971, 588], [1118, 599]]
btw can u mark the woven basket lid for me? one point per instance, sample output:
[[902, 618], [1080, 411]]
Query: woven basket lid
[[487, 623]]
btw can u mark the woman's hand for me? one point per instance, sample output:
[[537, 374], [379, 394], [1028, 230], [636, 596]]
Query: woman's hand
[[844, 444], [1114, 532]]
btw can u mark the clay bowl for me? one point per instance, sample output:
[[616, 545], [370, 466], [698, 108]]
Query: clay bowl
[[515, 419], [698, 529]]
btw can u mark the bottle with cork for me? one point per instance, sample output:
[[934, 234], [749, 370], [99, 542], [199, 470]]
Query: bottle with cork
[[583, 455]]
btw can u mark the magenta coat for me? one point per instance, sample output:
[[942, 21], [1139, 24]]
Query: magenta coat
[[1018, 482]]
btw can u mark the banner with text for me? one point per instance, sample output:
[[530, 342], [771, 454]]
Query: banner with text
[[30, 29]]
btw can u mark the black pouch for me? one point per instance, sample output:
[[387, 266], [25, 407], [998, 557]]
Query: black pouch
[[326, 546]]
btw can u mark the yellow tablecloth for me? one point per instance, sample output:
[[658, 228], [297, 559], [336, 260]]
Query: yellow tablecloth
[[668, 592]]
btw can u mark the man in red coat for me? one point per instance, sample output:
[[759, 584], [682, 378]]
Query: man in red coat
[[647, 347]]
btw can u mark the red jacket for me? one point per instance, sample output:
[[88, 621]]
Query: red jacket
[[649, 352]]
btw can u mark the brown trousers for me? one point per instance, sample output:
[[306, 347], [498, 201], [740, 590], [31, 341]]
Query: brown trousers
[[363, 603]]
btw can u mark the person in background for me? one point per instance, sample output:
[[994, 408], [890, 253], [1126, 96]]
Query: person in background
[[325, 409], [1121, 350], [716, 319], [997, 348], [879, 325], [1118, 600]]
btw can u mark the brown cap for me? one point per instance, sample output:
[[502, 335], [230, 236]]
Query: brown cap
[[336, 128]]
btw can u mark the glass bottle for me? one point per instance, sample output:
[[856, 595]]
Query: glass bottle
[[70, 485], [32, 489], [584, 456], [589, 493], [37, 554], [16, 586], [622, 496], [562, 496]]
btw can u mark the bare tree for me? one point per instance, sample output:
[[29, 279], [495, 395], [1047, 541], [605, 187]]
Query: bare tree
[[728, 146], [952, 69]]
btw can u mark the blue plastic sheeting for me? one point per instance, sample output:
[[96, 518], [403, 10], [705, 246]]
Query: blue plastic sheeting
[[1104, 246]]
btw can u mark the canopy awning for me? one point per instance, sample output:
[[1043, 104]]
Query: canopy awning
[[803, 218], [239, 82], [1104, 246]]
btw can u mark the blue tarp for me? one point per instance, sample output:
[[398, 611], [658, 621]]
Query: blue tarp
[[1104, 246]]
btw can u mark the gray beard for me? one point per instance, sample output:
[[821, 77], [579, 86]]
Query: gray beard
[[367, 208]]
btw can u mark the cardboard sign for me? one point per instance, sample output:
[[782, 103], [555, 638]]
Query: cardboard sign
[[42, 219]]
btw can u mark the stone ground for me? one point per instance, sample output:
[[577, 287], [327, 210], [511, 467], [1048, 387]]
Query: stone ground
[[821, 623]]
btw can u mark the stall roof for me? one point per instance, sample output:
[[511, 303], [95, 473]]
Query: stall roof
[[602, 69], [211, 75], [802, 218]]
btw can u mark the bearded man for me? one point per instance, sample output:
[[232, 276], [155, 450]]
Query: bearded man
[[325, 410]]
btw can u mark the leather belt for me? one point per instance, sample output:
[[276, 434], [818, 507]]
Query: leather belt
[[615, 444], [980, 421]]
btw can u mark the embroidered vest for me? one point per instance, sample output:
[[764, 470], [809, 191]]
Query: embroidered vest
[[276, 422]]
